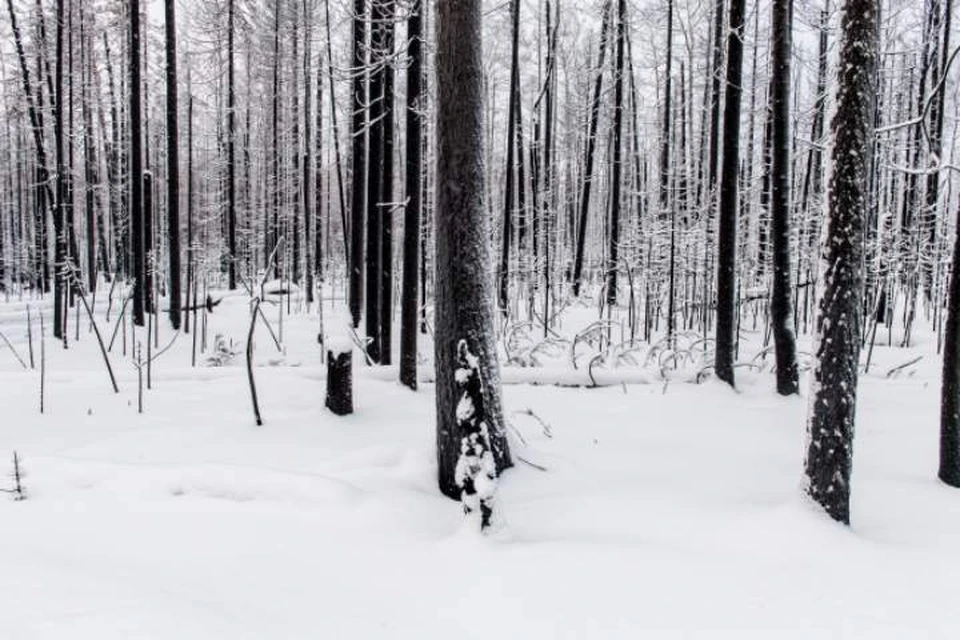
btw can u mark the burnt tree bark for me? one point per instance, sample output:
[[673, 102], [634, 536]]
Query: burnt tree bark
[[727, 214], [339, 382], [780, 302], [173, 166], [411, 216], [136, 168], [464, 283], [834, 386], [358, 132]]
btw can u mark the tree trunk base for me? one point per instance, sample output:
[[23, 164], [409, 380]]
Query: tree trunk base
[[340, 383]]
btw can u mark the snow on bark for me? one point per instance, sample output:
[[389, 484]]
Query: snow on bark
[[464, 292], [476, 471], [833, 395]]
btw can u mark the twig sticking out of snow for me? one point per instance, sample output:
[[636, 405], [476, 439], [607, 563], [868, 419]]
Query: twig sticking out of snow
[[17, 475], [476, 472]]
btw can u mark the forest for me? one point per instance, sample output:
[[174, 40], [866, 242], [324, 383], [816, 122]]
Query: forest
[[669, 284]]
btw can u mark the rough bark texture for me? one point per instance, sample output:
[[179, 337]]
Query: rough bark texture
[[359, 163], [136, 169], [340, 382], [617, 169], [173, 168], [727, 237], [834, 387], [949, 471], [374, 180], [780, 302], [464, 283], [388, 10], [411, 215]]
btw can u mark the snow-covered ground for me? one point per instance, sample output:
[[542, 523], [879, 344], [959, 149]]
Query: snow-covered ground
[[664, 511]]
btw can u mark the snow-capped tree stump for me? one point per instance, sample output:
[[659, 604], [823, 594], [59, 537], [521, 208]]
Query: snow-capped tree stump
[[476, 471], [340, 376]]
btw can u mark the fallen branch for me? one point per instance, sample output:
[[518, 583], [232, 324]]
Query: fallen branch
[[903, 366], [13, 351]]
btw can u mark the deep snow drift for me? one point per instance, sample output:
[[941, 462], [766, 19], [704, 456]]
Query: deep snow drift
[[664, 511]]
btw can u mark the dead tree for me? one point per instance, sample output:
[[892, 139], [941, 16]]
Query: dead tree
[[834, 388], [464, 286], [780, 301]]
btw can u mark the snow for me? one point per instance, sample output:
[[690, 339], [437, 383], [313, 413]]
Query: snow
[[664, 511]]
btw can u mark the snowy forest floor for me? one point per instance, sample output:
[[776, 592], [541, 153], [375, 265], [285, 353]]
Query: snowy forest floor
[[671, 510]]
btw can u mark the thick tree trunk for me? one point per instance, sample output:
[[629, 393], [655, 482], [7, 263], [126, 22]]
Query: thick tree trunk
[[727, 240], [834, 386], [339, 382], [464, 283], [780, 302]]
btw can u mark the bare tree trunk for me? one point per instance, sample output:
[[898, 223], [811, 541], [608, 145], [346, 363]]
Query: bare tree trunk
[[411, 218], [358, 133], [464, 295], [136, 169], [173, 166], [834, 386], [591, 145], [386, 187], [614, 239], [231, 148], [727, 248], [780, 310], [511, 186]]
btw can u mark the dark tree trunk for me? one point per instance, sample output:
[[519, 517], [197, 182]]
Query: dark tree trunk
[[359, 160], [834, 388], [510, 187], [667, 115], [136, 169], [386, 187], [374, 180], [464, 284], [307, 169], [339, 382], [173, 167], [591, 145], [231, 149], [614, 238], [780, 302], [411, 217], [727, 240], [949, 471], [59, 221], [935, 141], [89, 159], [273, 226]]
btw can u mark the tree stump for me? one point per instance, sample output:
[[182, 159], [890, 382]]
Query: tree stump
[[339, 378]]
